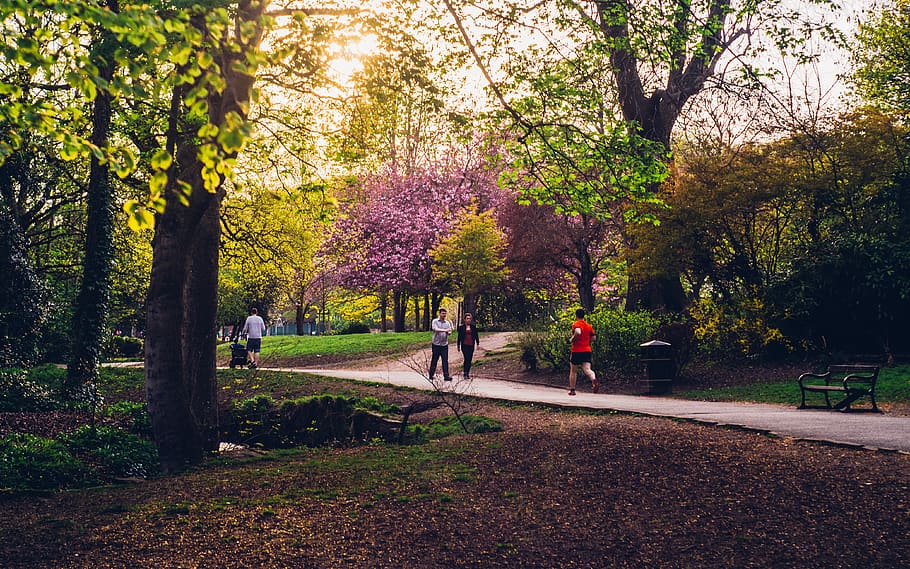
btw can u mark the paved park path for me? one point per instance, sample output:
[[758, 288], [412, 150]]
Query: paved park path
[[859, 429]]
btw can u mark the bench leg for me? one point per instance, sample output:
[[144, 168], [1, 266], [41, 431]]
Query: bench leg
[[803, 405], [853, 396]]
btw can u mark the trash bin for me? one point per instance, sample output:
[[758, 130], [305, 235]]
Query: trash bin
[[661, 367]]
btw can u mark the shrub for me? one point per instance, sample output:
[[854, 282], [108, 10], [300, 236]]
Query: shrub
[[314, 421], [354, 328], [375, 405], [619, 335], [117, 452], [532, 346], [19, 393], [30, 462], [724, 332], [126, 346], [253, 421], [131, 415]]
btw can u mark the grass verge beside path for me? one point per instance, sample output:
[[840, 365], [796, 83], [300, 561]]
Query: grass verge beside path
[[893, 387], [278, 348]]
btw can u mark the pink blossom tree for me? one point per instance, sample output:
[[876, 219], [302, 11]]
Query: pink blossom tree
[[391, 221]]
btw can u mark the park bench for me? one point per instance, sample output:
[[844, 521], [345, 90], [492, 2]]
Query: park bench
[[852, 381]]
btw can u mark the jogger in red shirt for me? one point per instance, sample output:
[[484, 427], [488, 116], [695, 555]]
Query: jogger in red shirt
[[582, 336]]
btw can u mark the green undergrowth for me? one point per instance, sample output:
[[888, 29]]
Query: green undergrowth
[[83, 457], [369, 474]]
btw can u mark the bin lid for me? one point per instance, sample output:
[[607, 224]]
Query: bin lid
[[653, 343]]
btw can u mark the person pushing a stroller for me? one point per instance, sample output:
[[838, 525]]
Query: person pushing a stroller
[[254, 328]]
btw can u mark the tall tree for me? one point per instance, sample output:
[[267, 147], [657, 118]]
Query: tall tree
[[182, 304], [22, 297], [659, 54], [472, 257], [545, 245], [89, 318]]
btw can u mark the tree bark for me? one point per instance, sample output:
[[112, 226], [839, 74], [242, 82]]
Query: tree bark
[[182, 303], [383, 311], [657, 113], [399, 306], [87, 327]]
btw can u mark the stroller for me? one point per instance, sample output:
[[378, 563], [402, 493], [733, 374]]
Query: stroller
[[239, 355]]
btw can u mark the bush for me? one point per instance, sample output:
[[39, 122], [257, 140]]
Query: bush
[[354, 328], [125, 346], [253, 421], [619, 335], [19, 393], [132, 416], [374, 405], [723, 332], [314, 421], [117, 452], [30, 462]]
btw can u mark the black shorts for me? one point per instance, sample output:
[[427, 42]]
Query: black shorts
[[580, 358], [254, 344]]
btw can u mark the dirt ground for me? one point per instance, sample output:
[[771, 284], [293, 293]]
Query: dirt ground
[[554, 489]]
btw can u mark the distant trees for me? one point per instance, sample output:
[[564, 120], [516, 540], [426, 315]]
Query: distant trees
[[805, 234], [390, 224], [471, 258]]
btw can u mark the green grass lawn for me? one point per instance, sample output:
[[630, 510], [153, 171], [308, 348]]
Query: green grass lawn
[[347, 344], [893, 387]]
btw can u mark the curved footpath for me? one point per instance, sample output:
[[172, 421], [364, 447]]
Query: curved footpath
[[858, 429]]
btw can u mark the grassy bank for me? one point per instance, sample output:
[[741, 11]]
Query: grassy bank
[[277, 348], [893, 387]]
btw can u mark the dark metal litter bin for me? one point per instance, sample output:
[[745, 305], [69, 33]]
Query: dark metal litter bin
[[661, 367]]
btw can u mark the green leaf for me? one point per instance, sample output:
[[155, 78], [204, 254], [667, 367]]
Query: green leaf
[[157, 183], [161, 159], [138, 218]]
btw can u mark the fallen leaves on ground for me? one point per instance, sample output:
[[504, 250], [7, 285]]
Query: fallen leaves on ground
[[554, 489]]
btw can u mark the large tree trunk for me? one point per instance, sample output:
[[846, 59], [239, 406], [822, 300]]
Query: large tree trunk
[[383, 310], [470, 303], [180, 341], [170, 389], [427, 311], [94, 290], [299, 316]]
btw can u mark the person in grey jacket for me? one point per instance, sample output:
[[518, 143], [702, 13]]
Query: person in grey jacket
[[440, 345]]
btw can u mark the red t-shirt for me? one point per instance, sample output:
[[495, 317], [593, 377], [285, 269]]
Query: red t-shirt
[[582, 342]]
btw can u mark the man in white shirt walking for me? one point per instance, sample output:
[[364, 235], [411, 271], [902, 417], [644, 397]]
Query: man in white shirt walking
[[254, 328], [440, 345]]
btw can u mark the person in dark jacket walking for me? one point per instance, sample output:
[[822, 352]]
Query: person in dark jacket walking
[[468, 339]]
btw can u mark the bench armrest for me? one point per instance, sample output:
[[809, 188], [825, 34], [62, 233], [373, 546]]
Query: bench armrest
[[860, 378], [826, 376]]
